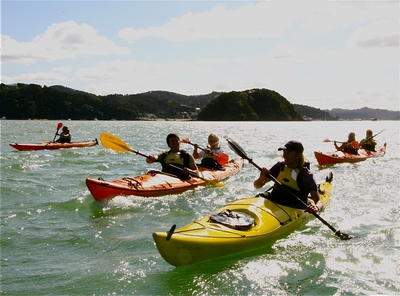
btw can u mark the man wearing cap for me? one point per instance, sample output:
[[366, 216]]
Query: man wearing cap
[[296, 178]]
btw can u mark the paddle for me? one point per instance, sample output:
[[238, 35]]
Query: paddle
[[327, 140], [114, 143], [376, 134], [59, 125], [222, 158], [239, 151]]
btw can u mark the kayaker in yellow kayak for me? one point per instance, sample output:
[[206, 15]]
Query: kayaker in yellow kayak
[[65, 136], [175, 161], [351, 146], [295, 178]]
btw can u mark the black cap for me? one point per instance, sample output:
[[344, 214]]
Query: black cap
[[293, 146]]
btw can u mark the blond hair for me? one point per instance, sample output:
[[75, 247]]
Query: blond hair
[[213, 138]]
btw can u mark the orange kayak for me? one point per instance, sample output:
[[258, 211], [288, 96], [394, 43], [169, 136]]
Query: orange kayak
[[53, 145], [341, 157], [156, 183]]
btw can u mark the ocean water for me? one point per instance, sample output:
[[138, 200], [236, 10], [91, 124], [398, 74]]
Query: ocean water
[[56, 240]]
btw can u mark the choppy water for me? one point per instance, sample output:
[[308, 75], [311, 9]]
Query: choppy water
[[56, 240]]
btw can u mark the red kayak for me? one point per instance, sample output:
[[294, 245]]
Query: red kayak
[[340, 157], [53, 145], [156, 183]]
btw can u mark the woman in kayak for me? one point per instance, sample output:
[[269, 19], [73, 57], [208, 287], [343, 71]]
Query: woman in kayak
[[368, 143], [175, 161], [297, 181], [210, 156], [65, 136], [351, 146]]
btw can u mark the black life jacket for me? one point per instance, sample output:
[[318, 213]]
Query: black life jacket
[[285, 195], [211, 163], [177, 163]]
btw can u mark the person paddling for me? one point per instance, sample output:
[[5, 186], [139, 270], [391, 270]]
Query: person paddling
[[184, 162], [368, 143], [351, 146], [65, 136], [210, 155], [296, 178]]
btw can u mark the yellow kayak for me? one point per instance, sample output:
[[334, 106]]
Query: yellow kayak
[[245, 224]]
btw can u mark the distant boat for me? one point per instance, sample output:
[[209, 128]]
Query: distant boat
[[307, 118], [3, 118], [374, 119]]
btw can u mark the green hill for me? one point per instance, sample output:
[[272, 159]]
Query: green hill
[[250, 105]]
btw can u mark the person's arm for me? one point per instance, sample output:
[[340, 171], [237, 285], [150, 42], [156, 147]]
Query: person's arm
[[262, 179], [196, 154], [150, 159], [154, 158], [317, 205], [192, 165]]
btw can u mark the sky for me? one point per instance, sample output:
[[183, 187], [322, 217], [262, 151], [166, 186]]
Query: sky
[[324, 54]]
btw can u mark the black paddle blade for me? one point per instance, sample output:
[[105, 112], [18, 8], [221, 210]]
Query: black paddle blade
[[239, 151], [343, 236], [236, 148], [171, 232]]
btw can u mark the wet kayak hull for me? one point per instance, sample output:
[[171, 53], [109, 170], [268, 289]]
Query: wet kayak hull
[[53, 145], [155, 183], [340, 157]]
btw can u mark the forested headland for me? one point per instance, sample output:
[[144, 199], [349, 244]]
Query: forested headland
[[32, 101]]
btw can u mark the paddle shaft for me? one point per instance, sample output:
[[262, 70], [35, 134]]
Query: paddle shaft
[[376, 134], [221, 158], [201, 148]]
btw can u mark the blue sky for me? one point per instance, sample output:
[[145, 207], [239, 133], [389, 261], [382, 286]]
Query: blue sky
[[325, 54]]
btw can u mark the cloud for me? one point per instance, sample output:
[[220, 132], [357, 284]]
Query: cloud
[[64, 69], [376, 34], [34, 77], [247, 22], [264, 20], [60, 41]]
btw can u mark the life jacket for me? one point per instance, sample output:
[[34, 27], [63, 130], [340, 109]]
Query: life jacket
[[65, 137], [368, 144], [179, 159], [351, 147], [286, 196], [208, 160]]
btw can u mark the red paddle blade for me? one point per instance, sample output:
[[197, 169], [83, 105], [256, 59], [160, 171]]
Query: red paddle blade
[[185, 140], [222, 158], [326, 140], [59, 125]]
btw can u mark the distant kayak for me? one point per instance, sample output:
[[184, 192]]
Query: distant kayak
[[53, 145], [245, 224], [343, 157], [156, 183]]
